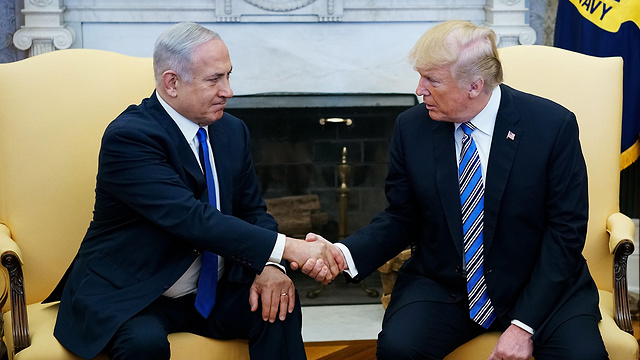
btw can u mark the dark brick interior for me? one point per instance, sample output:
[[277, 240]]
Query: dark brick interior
[[294, 154]]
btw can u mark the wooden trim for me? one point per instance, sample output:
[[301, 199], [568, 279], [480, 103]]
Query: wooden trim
[[19, 320], [620, 287]]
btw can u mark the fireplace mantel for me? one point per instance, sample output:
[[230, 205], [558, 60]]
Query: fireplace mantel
[[326, 46]]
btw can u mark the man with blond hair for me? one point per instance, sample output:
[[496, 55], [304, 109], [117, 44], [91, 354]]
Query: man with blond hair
[[489, 186]]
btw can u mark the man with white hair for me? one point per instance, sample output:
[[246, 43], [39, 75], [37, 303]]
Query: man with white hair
[[180, 240]]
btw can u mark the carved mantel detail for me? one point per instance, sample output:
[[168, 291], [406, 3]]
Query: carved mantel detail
[[44, 28], [50, 24], [279, 10], [508, 19], [280, 6]]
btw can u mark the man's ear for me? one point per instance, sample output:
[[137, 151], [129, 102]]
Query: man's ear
[[476, 87], [170, 81]]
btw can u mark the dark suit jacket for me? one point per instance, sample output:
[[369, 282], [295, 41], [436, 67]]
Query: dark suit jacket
[[151, 220], [536, 209]]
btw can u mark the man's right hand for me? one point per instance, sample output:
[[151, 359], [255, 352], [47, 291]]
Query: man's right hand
[[316, 268], [318, 255]]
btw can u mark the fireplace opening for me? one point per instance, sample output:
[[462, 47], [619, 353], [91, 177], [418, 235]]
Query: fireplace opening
[[321, 159], [298, 148]]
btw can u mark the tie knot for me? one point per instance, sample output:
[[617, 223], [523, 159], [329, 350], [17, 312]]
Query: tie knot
[[468, 128], [202, 135]]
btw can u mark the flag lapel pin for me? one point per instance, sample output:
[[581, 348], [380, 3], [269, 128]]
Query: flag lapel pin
[[511, 135]]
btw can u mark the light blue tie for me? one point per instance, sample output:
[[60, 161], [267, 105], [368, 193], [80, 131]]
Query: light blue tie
[[472, 201], [208, 281]]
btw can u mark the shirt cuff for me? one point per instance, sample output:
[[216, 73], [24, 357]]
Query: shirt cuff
[[522, 326], [279, 266], [351, 269], [278, 249]]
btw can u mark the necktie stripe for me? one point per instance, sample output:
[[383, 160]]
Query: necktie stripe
[[472, 210]]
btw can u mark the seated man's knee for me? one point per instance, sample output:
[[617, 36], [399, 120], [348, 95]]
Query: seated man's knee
[[140, 346], [396, 346], [575, 339], [586, 352]]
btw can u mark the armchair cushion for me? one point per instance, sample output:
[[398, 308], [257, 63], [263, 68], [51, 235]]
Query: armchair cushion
[[184, 346]]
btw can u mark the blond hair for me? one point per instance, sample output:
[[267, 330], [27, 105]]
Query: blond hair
[[470, 50]]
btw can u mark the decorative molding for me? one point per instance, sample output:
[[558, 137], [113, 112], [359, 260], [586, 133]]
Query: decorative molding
[[279, 10], [508, 19], [41, 3], [41, 40], [514, 35], [209, 11], [44, 28], [280, 6], [19, 319], [621, 296]]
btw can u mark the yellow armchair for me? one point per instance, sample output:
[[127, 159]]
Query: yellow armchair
[[53, 110], [591, 87]]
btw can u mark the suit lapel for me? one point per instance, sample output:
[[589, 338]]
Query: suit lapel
[[447, 179], [504, 144], [189, 162], [220, 147]]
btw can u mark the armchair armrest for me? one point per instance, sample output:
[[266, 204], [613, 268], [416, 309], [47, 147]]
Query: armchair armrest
[[621, 231], [11, 258]]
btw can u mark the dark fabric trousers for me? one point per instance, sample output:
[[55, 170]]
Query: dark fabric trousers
[[432, 330], [145, 335]]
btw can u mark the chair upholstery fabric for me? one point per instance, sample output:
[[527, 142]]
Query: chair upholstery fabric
[[53, 111]]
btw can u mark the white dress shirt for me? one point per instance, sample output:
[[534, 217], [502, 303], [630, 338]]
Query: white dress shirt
[[188, 282]]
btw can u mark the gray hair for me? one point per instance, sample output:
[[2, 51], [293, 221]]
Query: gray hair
[[175, 46]]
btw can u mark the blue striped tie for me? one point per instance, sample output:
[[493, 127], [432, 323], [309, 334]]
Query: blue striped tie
[[208, 281], [472, 201]]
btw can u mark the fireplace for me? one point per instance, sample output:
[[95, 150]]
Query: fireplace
[[310, 150], [321, 161]]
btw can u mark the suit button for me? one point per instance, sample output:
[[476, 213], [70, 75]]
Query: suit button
[[452, 297], [460, 270], [196, 252], [166, 287]]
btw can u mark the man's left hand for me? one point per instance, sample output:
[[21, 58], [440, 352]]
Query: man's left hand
[[514, 344], [276, 291]]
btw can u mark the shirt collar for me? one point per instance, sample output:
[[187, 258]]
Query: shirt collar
[[485, 121], [187, 127]]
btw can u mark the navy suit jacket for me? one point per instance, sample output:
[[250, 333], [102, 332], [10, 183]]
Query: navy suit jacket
[[536, 210], [151, 220]]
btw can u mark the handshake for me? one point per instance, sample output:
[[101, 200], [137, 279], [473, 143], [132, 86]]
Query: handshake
[[315, 257]]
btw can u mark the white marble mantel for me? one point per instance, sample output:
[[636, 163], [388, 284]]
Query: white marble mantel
[[277, 45]]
